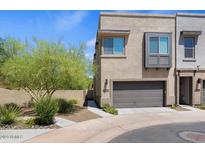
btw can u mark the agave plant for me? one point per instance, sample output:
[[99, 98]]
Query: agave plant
[[45, 110], [9, 113]]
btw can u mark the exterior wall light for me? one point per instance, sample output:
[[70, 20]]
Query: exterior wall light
[[199, 81], [198, 67], [106, 81], [198, 85], [105, 86]]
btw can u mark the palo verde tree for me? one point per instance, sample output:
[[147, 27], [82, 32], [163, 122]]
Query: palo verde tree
[[9, 47], [43, 68]]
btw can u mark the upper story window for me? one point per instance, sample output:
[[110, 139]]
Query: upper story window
[[158, 45], [158, 50], [189, 47], [113, 45]]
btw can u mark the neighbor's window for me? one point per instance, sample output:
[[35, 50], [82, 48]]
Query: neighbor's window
[[113, 45], [189, 44], [158, 44]]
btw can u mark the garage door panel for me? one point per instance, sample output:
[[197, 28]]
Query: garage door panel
[[136, 105], [139, 100], [138, 94], [141, 85]]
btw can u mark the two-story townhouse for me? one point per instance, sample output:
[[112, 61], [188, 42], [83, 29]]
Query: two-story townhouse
[[135, 60], [190, 58]]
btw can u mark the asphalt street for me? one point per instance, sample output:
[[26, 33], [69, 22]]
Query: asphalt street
[[164, 134]]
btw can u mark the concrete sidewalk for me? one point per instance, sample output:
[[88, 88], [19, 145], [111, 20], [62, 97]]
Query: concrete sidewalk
[[105, 129], [20, 135], [191, 108], [63, 122], [92, 107]]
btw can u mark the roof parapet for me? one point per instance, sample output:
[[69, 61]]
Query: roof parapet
[[124, 14], [190, 14]]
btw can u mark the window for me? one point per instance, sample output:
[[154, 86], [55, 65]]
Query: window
[[108, 46], [189, 44], [153, 47], [158, 45], [113, 45], [163, 45], [158, 51]]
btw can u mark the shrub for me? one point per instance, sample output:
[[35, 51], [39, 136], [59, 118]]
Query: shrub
[[9, 113], [110, 109], [30, 122], [200, 106], [45, 110], [66, 106], [73, 101], [173, 106], [12, 105]]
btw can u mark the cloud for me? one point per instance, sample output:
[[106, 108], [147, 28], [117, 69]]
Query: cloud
[[89, 55], [68, 20], [91, 42]]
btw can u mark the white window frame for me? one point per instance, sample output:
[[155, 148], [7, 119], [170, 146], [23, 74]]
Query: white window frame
[[193, 48]]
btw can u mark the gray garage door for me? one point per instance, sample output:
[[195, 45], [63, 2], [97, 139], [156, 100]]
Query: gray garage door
[[203, 93], [138, 94]]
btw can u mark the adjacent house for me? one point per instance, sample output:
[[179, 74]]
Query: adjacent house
[[148, 60], [190, 58]]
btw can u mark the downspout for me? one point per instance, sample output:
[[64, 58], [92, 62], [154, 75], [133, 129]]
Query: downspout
[[175, 70], [99, 70]]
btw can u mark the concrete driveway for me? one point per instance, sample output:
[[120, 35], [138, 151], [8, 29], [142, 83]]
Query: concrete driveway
[[108, 128], [122, 111]]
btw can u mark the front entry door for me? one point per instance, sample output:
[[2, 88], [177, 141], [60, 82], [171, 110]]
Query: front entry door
[[203, 93], [186, 90]]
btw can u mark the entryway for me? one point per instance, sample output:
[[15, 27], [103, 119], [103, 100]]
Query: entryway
[[203, 92], [185, 91]]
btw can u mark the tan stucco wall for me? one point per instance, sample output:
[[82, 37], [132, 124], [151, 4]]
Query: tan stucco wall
[[97, 77], [131, 67], [196, 87], [20, 97]]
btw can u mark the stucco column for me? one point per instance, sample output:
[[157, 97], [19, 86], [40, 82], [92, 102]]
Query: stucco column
[[177, 87], [194, 81]]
